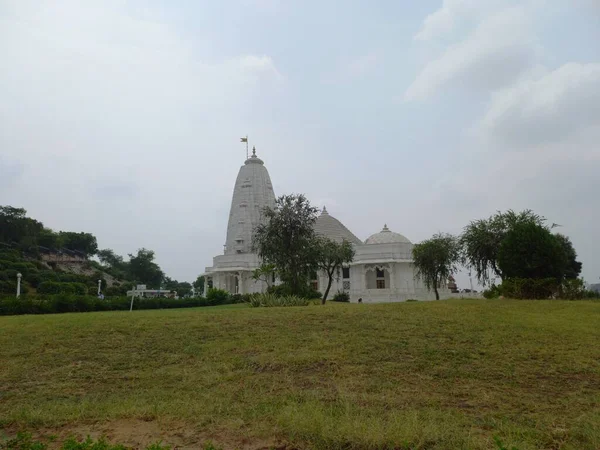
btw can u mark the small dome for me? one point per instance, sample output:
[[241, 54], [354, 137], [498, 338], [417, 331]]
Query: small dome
[[386, 236], [328, 226]]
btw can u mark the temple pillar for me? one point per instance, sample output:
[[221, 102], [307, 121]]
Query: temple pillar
[[241, 289], [205, 285]]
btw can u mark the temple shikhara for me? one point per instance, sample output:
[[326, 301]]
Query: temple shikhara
[[382, 269]]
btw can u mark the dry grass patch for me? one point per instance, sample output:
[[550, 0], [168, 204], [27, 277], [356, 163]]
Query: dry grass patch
[[437, 375]]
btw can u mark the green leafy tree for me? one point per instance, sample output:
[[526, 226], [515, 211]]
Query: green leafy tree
[[183, 288], [481, 241], [265, 273], [143, 269], [109, 258], [573, 267], [49, 239], [17, 228], [436, 259], [199, 285], [530, 250], [331, 255], [81, 242], [286, 238]]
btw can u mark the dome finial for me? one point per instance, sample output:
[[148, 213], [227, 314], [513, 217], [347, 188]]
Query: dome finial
[[324, 210], [385, 227], [254, 151]]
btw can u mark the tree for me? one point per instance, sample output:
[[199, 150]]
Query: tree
[[183, 288], [265, 273], [109, 258], [49, 239], [81, 242], [573, 267], [286, 240], [436, 259], [530, 250], [481, 241], [144, 270], [199, 285], [17, 228], [331, 255]]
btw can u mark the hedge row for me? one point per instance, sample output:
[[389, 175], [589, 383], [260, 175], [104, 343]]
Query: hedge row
[[543, 288], [62, 303]]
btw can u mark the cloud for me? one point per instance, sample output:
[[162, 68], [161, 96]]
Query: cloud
[[116, 113], [10, 173], [499, 50], [545, 109], [454, 12]]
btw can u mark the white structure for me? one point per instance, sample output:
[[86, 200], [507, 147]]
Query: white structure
[[141, 291], [19, 285], [252, 192], [382, 270]]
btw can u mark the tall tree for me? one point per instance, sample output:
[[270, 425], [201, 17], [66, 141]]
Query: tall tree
[[109, 258], [49, 239], [481, 241], [144, 270], [17, 228], [331, 255], [530, 250], [573, 267], [199, 285], [81, 242], [286, 240], [436, 259]]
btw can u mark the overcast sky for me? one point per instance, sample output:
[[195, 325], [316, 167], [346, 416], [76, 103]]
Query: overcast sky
[[123, 118]]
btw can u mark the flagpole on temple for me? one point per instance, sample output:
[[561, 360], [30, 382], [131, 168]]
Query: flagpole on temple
[[245, 139]]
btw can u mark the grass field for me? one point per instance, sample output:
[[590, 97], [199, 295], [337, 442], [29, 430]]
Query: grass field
[[437, 375]]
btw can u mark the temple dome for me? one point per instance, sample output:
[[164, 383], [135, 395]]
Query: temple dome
[[386, 236], [252, 192], [329, 227]]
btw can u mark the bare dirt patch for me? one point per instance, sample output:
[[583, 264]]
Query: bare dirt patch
[[138, 434]]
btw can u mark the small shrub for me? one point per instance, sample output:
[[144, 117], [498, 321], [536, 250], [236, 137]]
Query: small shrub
[[268, 300], [217, 296], [239, 298], [492, 292], [341, 296], [283, 289]]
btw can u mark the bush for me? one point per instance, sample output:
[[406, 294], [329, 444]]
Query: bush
[[62, 303], [542, 288], [53, 287], [492, 292], [341, 297], [239, 298], [283, 289], [268, 300], [217, 296]]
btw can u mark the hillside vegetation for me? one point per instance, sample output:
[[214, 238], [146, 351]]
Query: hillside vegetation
[[470, 374], [62, 262]]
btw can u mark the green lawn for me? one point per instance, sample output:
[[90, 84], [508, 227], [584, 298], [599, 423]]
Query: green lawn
[[435, 375]]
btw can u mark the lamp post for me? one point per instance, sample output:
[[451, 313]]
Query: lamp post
[[19, 285], [133, 289], [99, 287]]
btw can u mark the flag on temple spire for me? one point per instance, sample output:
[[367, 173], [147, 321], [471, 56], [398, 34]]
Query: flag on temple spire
[[244, 139]]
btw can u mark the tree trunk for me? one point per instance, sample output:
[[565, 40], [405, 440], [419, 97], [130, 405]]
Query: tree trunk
[[324, 299], [435, 288]]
